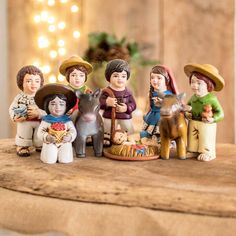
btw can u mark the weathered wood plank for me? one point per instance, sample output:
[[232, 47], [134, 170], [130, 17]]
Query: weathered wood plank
[[173, 185]]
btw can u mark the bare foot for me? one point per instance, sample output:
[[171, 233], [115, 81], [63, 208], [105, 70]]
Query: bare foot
[[205, 157]]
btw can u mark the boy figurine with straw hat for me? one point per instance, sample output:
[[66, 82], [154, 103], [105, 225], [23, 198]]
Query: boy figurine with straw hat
[[76, 70], [206, 109]]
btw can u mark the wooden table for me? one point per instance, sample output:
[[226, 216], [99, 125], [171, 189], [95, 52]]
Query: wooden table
[[183, 188]]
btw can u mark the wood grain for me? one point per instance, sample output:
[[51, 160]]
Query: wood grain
[[174, 185]]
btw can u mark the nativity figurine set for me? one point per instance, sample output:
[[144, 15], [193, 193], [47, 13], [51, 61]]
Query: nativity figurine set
[[57, 120]]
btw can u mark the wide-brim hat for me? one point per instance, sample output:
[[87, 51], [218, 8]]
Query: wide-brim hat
[[73, 61], [51, 89], [209, 71]]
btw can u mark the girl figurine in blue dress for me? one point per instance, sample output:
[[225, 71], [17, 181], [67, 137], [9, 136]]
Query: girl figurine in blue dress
[[162, 82]]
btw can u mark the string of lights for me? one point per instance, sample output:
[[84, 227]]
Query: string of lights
[[56, 24]]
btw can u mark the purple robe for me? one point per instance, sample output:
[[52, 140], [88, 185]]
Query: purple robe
[[124, 96]]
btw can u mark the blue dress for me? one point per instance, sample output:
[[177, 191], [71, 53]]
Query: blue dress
[[151, 119]]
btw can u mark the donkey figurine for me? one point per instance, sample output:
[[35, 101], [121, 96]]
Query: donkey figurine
[[89, 123], [173, 125]]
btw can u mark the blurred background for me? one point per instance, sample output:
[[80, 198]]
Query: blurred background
[[145, 32]]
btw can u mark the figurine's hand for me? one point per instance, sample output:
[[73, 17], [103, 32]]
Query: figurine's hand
[[69, 112], [67, 138], [208, 120], [188, 115], [50, 139], [32, 112], [19, 118], [122, 107], [111, 102], [186, 108], [157, 101]]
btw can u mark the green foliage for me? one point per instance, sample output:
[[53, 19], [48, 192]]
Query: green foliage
[[105, 47]]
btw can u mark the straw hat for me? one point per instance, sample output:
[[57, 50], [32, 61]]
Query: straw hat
[[209, 71], [73, 61], [51, 89]]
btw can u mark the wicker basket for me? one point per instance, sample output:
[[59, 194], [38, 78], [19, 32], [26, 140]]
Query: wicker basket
[[58, 134], [132, 152]]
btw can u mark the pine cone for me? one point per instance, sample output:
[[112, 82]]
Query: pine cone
[[118, 52], [98, 55]]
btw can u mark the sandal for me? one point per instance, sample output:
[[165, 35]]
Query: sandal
[[107, 140], [23, 151], [38, 149]]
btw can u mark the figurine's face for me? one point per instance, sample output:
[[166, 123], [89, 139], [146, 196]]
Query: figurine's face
[[199, 87], [158, 82], [77, 78], [120, 137], [118, 80], [57, 107], [31, 83]]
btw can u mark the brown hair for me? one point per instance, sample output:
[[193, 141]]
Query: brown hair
[[31, 70], [162, 71], [209, 82], [158, 70], [116, 65], [77, 67]]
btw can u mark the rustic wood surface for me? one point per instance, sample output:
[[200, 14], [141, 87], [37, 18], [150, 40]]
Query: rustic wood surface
[[173, 185]]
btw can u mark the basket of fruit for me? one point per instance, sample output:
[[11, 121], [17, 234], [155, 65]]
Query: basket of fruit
[[58, 130]]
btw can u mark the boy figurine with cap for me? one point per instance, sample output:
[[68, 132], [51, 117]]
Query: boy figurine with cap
[[203, 79], [24, 111], [162, 82], [56, 130], [117, 73], [76, 70]]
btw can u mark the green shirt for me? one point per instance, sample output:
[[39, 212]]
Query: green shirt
[[83, 89], [198, 103]]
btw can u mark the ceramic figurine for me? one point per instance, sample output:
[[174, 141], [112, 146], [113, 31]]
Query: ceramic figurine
[[117, 73], [76, 71], [56, 130], [89, 123], [24, 111], [162, 82], [173, 125], [206, 110]]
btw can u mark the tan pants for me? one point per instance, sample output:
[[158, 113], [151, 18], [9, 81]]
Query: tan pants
[[26, 134], [201, 137]]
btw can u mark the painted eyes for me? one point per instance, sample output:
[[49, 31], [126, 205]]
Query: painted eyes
[[80, 76], [31, 81], [118, 76], [62, 104]]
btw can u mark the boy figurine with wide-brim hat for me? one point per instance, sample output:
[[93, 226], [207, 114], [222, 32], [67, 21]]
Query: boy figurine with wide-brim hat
[[56, 130], [76, 70], [206, 109]]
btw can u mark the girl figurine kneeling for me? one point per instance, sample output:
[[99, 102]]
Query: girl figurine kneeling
[[56, 130]]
